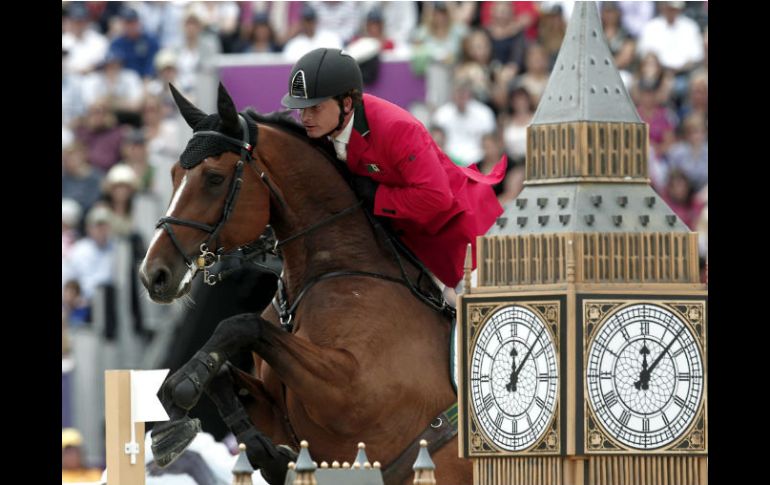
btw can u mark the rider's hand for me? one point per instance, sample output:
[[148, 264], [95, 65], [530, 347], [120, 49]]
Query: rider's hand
[[365, 188]]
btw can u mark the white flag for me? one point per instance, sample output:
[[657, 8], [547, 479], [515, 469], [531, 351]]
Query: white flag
[[145, 405]]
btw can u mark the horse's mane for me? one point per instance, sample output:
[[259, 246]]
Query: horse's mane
[[282, 119], [286, 122]]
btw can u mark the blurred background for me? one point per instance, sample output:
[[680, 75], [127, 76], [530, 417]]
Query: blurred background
[[472, 72]]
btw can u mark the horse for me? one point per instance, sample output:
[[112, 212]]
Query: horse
[[346, 353]]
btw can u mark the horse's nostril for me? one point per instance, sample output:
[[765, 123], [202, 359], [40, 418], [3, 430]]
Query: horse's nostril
[[160, 280]]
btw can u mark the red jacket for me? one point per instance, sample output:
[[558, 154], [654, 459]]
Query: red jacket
[[437, 206]]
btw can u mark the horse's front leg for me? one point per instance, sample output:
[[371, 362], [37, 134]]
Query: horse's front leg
[[183, 389], [263, 454]]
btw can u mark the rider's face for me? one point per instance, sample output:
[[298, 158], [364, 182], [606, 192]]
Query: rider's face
[[320, 119]]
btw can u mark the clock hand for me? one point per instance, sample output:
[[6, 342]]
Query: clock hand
[[511, 386], [644, 376], [521, 364], [645, 352]]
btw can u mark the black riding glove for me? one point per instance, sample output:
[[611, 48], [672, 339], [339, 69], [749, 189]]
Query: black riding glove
[[365, 188]]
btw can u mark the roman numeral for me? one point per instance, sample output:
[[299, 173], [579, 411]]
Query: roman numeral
[[484, 378], [684, 376], [625, 333], [540, 402], [645, 425], [625, 417], [543, 377], [540, 352], [515, 427], [605, 375], [665, 418], [610, 399], [489, 400], [499, 421], [679, 401], [645, 327]]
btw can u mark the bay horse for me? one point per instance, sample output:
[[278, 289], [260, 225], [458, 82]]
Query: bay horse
[[361, 359]]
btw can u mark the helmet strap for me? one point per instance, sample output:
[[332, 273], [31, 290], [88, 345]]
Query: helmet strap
[[341, 104]]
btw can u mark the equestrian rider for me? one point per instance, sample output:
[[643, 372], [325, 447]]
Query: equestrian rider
[[400, 173]]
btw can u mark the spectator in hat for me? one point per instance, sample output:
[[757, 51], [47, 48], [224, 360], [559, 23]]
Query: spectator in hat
[[310, 36], [136, 47], [70, 222], [120, 185], [73, 470]]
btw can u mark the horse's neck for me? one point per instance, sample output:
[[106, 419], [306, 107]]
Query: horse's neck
[[314, 191]]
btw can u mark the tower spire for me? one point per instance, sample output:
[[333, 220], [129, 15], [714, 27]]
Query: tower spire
[[584, 84]]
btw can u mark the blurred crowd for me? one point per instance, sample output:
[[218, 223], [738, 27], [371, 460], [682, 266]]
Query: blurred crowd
[[485, 64]]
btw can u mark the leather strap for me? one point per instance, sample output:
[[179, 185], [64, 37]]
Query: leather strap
[[439, 432]]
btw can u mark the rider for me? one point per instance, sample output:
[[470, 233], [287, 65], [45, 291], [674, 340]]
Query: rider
[[435, 206]]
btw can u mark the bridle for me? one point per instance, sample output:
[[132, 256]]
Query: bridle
[[206, 258]]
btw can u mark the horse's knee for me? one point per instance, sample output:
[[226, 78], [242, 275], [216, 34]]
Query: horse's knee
[[236, 332]]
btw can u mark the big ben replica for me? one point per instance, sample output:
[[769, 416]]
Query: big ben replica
[[582, 348]]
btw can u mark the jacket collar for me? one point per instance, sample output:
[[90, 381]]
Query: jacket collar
[[359, 121]]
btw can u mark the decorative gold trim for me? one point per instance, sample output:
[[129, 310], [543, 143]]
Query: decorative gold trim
[[598, 440], [479, 444]]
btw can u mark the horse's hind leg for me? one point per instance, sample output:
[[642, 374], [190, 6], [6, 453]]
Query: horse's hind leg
[[271, 460]]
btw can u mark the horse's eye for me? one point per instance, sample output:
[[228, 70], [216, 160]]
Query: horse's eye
[[214, 179]]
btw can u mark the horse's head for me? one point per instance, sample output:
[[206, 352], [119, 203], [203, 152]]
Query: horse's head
[[219, 200]]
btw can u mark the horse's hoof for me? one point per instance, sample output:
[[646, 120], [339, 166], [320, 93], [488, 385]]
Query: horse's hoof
[[171, 438]]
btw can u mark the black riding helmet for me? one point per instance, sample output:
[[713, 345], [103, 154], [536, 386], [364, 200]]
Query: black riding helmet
[[319, 75]]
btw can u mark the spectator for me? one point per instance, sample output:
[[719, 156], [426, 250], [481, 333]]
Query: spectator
[[310, 37], [70, 222], [622, 45], [163, 142], [551, 30], [119, 87], [680, 197], [345, 18], [475, 64], [120, 185], [691, 156], [661, 120], [635, 16], [196, 57], [261, 38], [100, 134], [506, 31], [91, 262], [536, 78], [136, 47], [677, 41], [399, 21], [525, 15], [697, 100], [515, 128], [85, 47], [79, 180], [72, 467], [465, 121], [72, 103], [652, 75]]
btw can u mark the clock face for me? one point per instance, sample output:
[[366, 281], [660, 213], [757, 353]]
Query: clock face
[[645, 376], [513, 378]]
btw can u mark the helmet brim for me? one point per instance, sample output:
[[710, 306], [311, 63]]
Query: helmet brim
[[291, 102]]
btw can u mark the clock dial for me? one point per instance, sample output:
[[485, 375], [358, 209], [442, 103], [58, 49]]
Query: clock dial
[[644, 376], [514, 377]]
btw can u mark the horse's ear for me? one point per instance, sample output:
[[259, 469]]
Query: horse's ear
[[227, 111], [190, 113]]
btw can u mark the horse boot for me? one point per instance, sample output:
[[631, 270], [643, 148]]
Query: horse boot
[[272, 461], [179, 394]]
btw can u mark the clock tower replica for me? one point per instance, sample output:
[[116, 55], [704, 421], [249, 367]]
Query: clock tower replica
[[582, 349]]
